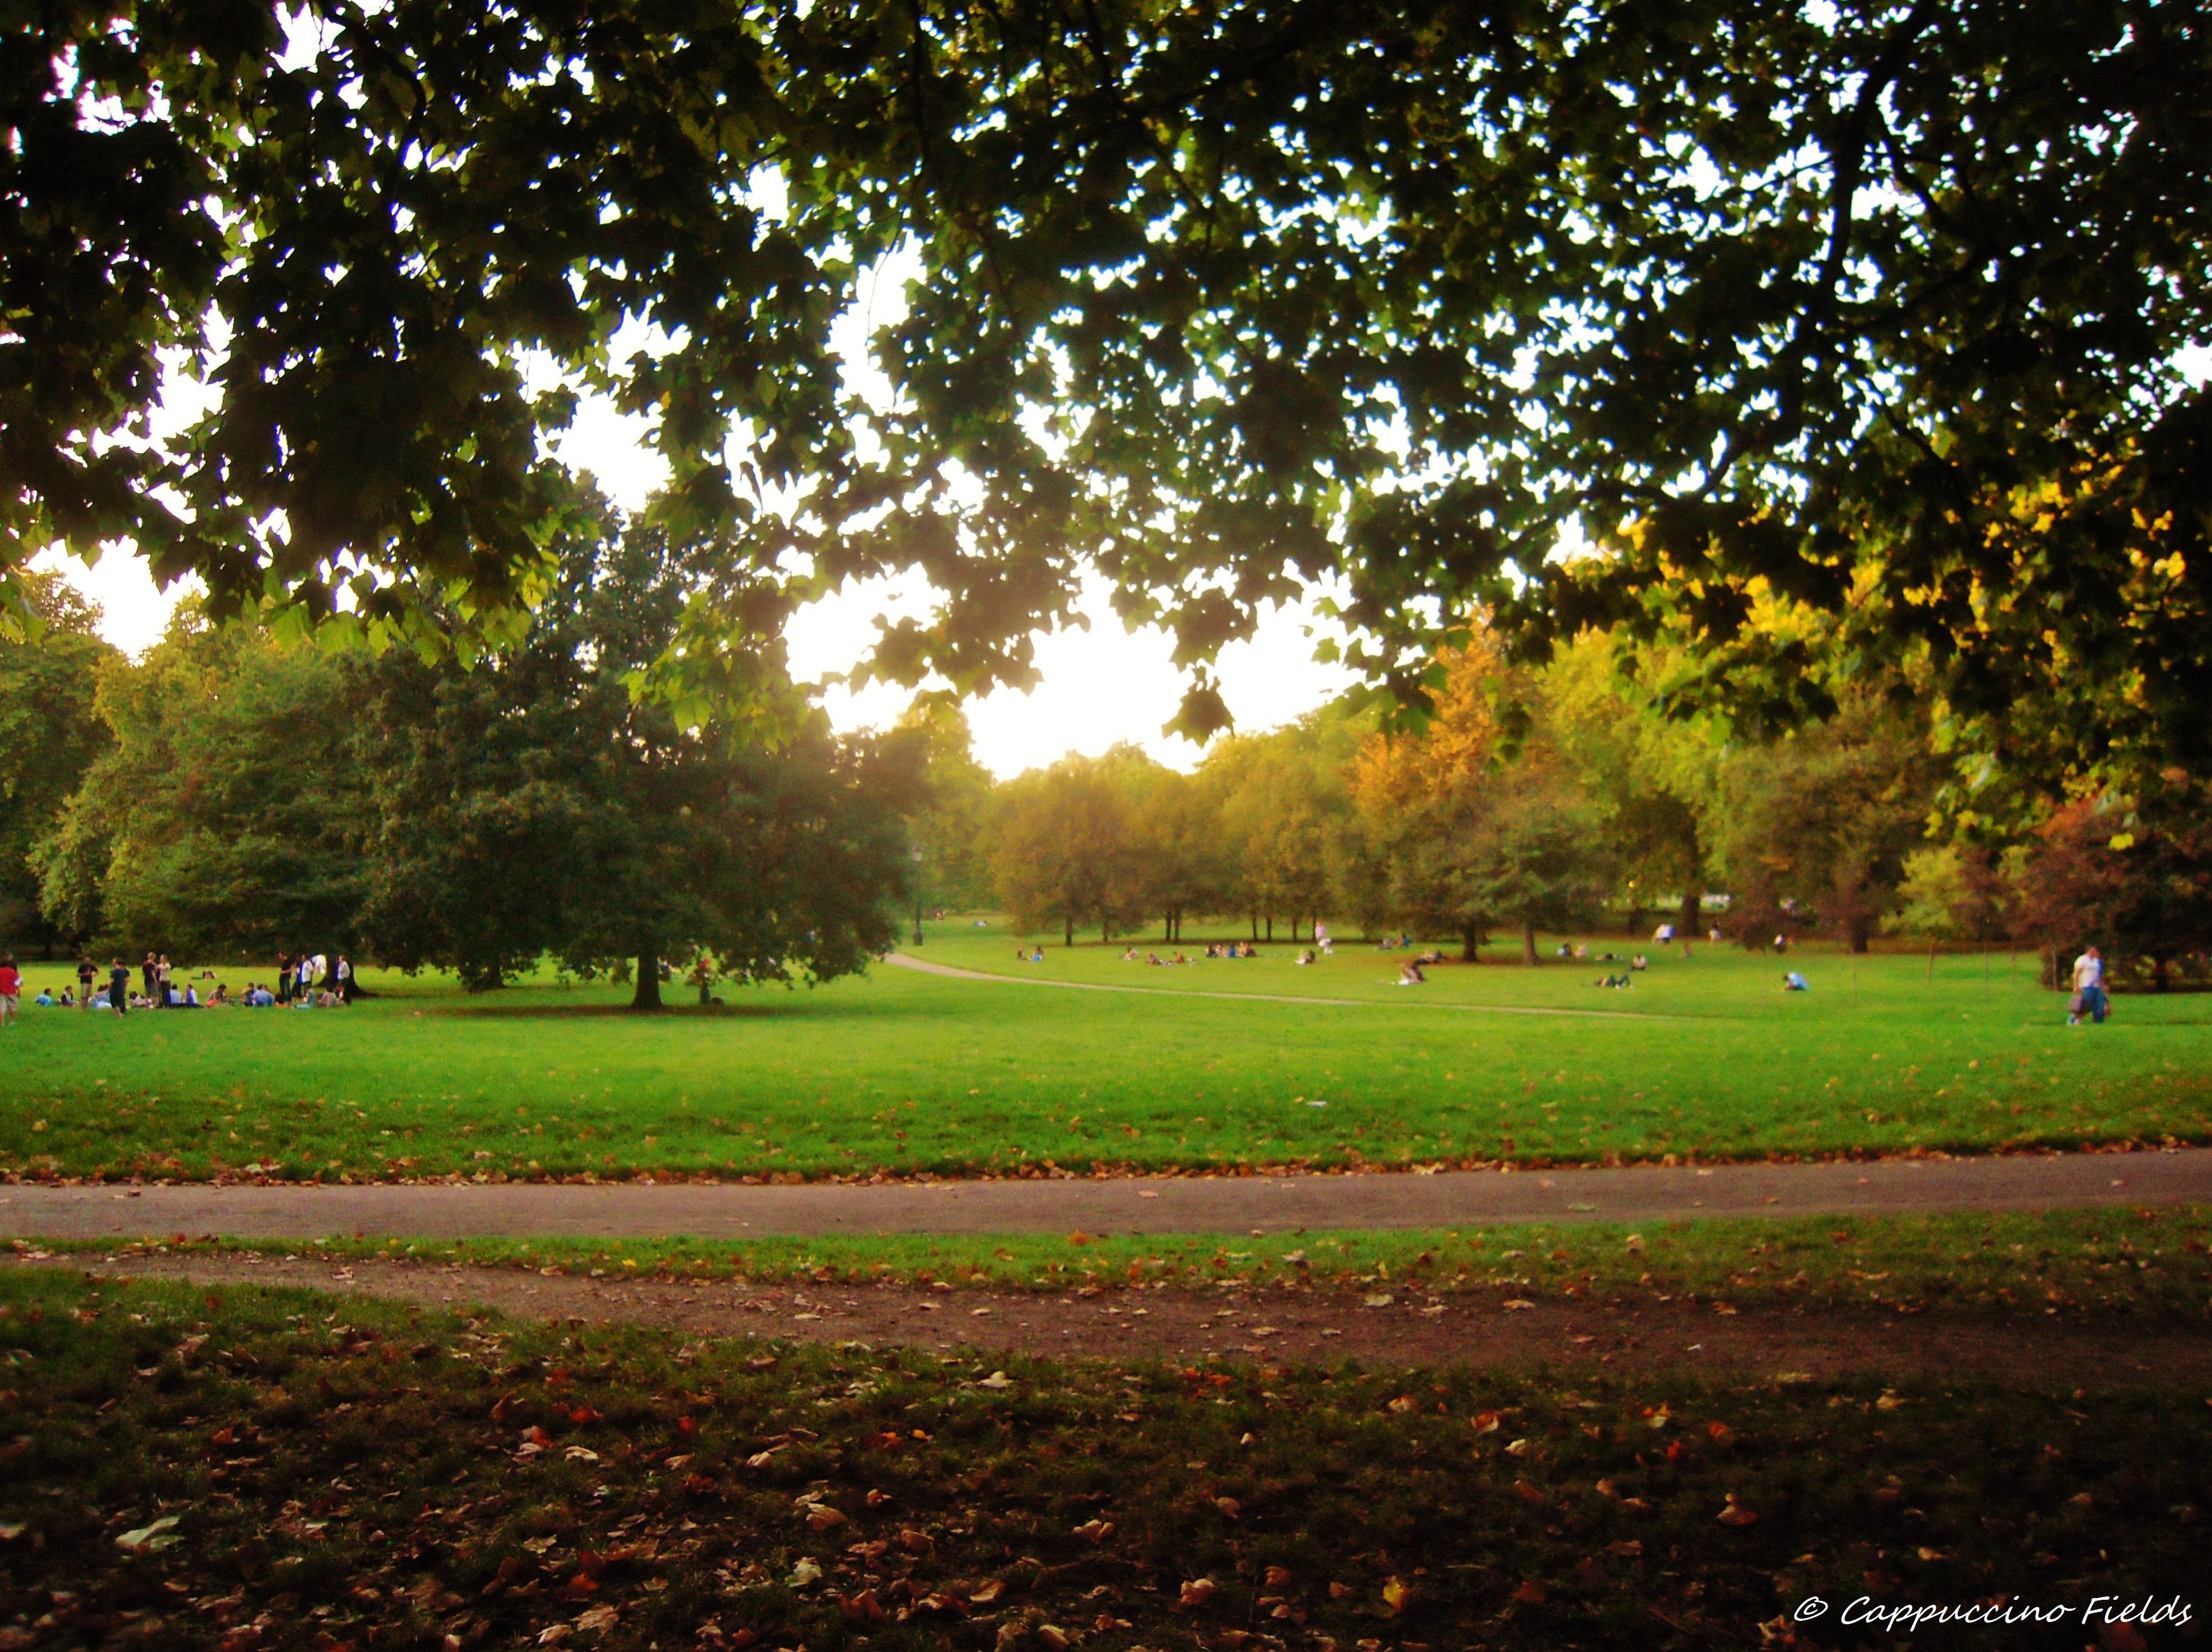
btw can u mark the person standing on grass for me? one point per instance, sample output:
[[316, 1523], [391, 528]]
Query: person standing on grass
[[85, 973], [118, 988], [2089, 997], [11, 988], [346, 979], [283, 977]]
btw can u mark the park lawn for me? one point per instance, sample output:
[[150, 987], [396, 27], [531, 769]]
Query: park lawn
[[904, 1073], [278, 1469], [2149, 1263]]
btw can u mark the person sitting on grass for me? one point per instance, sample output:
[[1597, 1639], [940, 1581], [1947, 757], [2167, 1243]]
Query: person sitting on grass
[[1129, 956], [258, 997], [221, 995], [1794, 982], [1639, 961], [1178, 958], [1306, 957], [1409, 973], [45, 997]]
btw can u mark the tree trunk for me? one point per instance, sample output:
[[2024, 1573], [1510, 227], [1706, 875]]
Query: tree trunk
[[648, 996], [1635, 920], [1862, 927], [1067, 932], [1528, 945], [1470, 946], [1256, 925], [1271, 926], [1693, 912]]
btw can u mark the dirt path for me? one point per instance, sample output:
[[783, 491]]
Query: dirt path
[[952, 972], [1404, 1327], [1115, 1205]]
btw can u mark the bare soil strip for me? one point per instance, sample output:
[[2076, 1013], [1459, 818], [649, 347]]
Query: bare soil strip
[[952, 972], [1401, 1328], [1225, 1203]]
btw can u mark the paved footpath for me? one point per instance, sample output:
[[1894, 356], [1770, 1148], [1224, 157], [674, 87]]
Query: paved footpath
[[1120, 1205]]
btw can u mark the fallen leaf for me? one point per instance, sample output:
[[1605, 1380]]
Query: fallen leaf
[[1395, 1593], [1530, 1594], [1378, 1299], [1735, 1514], [554, 1634], [862, 1608], [583, 1417], [1198, 1591], [148, 1538], [1527, 1493], [1053, 1636], [820, 1517], [1278, 1577], [1518, 1302], [988, 1594], [876, 1498], [996, 1380], [1517, 1448], [1095, 1531], [1625, 1548], [1228, 1506], [761, 1363], [804, 1574], [597, 1619], [1404, 1403], [1485, 1421], [1340, 1591]]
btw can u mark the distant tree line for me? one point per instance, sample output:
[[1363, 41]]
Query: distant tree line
[[236, 794], [232, 795], [1565, 797]]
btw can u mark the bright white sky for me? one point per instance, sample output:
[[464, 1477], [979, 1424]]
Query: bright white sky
[[1100, 687]]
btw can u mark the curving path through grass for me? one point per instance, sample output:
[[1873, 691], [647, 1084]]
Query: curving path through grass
[[952, 972]]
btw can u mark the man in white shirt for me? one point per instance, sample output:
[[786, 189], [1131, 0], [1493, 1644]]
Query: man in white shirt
[[2088, 988]]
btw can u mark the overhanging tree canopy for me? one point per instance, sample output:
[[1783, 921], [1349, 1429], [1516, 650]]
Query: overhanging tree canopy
[[1871, 306]]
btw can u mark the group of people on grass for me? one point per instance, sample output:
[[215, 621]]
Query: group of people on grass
[[303, 981]]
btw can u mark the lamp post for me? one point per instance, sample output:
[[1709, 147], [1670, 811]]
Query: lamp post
[[918, 937]]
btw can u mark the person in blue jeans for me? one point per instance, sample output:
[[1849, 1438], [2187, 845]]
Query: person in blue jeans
[[2089, 988], [118, 988]]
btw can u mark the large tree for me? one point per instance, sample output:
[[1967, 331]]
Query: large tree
[[227, 818], [1478, 819], [1067, 850], [1874, 307], [49, 737], [533, 802]]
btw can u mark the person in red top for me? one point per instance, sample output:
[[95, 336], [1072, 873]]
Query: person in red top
[[11, 988]]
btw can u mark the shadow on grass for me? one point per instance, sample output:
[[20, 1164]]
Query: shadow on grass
[[668, 1013]]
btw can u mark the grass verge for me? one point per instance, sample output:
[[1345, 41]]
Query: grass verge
[[251, 1468], [906, 1074], [2102, 1261]]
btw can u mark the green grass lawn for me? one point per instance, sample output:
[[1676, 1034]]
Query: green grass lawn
[[904, 1073], [255, 1468]]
